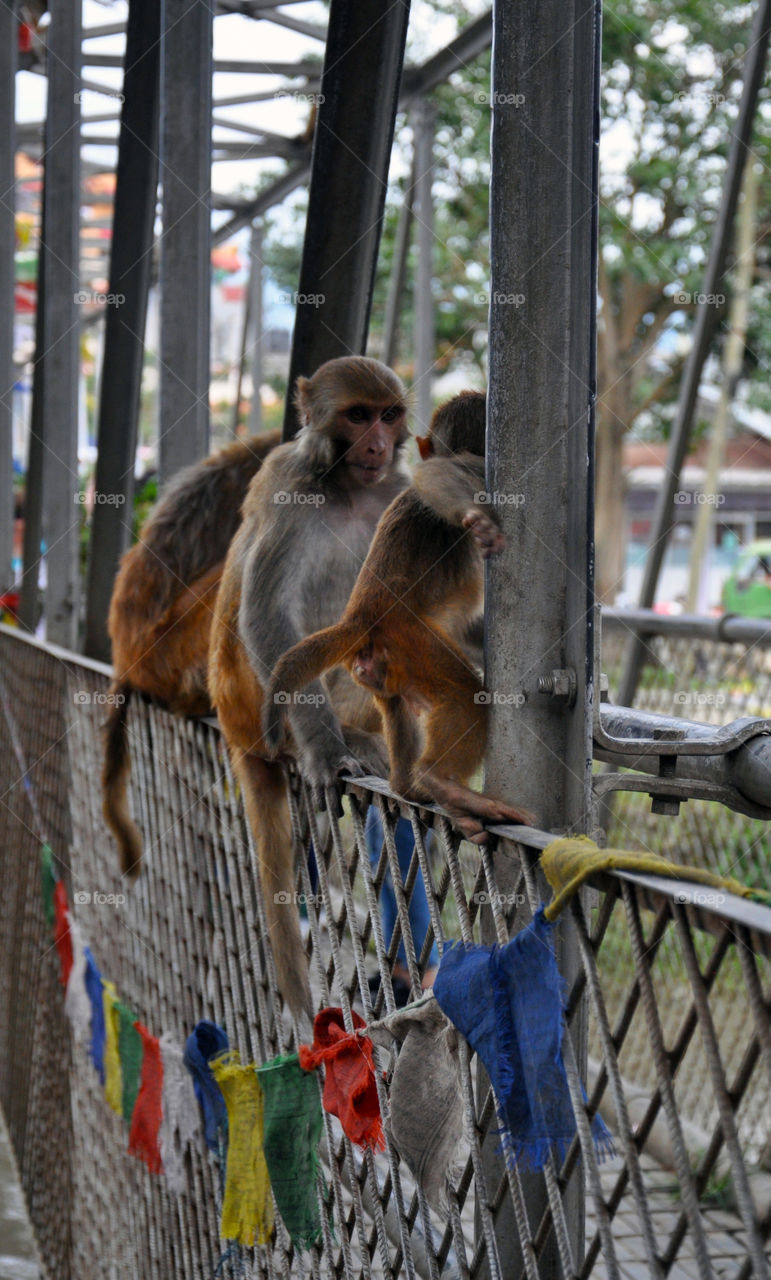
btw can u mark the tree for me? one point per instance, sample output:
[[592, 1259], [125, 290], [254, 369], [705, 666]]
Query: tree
[[672, 79], [672, 72]]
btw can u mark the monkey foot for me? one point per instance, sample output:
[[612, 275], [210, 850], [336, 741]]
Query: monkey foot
[[471, 811]]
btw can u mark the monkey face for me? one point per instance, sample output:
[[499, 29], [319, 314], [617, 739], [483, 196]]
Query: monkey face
[[369, 433]]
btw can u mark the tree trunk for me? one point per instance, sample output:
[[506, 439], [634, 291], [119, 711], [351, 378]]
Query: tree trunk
[[609, 504], [733, 353]]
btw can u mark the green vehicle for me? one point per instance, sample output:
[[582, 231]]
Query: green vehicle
[[747, 590]]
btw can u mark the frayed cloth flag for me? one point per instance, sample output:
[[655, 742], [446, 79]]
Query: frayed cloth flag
[[96, 999], [350, 1092], [113, 1079], [62, 936], [426, 1102], [293, 1123], [569, 861], [205, 1042], [146, 1117], [130, 1052], [77, 1005], [48, 883], [181, 1119], [508, 1003], [247, 1208]]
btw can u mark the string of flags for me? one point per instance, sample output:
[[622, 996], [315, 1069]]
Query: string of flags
[[264, 1122]]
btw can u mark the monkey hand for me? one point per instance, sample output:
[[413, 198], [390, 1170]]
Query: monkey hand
[[484, 531], [469, 810]]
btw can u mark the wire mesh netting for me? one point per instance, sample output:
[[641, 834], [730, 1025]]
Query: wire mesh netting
[[713, 683], [655, 984]]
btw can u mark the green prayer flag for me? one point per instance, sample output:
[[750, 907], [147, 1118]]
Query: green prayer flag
[[49, 883], [130, 1052], [293, 1123]]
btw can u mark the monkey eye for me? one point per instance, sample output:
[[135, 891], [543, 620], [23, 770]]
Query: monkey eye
[[357, 413], [390, 415]]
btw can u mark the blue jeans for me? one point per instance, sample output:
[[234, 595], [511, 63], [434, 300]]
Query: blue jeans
[[419, 914]]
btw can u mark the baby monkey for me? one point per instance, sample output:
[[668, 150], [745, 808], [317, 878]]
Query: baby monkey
[[403, 632]]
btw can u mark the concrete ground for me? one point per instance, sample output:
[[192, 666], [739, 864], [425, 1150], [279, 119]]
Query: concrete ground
[[18, 1257]]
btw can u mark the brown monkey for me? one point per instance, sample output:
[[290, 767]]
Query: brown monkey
[[161, 609], [402, 631], [308, 521]]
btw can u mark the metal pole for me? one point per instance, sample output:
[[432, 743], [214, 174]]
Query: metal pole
[[130, 264], [33, 480], [349, 173], [256, 323], [398, 272], [706, 321], [252, 300], [186, 239], [543, 253], [61, 326], [423, 308], [8, 39]]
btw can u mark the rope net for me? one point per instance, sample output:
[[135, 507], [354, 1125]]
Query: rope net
[[687, 987]]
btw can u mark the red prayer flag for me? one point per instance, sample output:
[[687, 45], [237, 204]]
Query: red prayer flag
[[62, 935], [147, 1113], [350, 1092]]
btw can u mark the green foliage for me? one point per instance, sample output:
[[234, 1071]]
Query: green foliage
[[145, 497], [672, 81], [672, 75]]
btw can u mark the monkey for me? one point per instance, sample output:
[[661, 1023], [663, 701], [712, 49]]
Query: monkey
[[402, 632], [161, 610], [308, 520]]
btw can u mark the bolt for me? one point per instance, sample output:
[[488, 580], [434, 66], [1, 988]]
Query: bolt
[[561, 683]]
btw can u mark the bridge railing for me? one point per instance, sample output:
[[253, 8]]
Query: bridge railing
[[675, 982]]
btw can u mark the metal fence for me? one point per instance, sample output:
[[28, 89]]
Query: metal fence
[[713, 682], [666, 984]]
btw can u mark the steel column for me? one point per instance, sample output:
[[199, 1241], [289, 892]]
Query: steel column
[[33, 480], [60, 354], [256, 325], [543, 213], [398, 273], [351, 154], [423, 303], [252, 325], [8, 39], [130, 264], [186, 239]]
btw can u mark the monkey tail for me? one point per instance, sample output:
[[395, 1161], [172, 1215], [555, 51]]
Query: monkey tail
[[304, 662], [263, 786], [115, 775]]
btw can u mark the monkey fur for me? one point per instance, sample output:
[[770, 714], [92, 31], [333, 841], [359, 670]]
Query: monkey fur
[[161, 610], [308, 520], [403, 630]]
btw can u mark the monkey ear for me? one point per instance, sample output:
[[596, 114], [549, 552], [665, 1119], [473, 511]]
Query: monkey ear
[[302, 400], [425, 446]]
